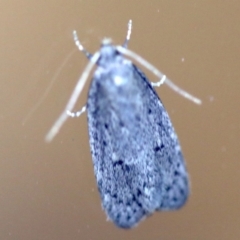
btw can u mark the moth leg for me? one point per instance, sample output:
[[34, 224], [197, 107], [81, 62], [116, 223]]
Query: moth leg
[[160, 82], [129, 31], [78, 113], [77, 90], [156, 72]]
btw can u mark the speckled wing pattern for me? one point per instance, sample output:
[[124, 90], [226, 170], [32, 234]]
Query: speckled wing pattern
[[138, 163]]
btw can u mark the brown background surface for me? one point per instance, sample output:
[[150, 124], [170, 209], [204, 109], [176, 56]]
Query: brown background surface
[[48, 191]]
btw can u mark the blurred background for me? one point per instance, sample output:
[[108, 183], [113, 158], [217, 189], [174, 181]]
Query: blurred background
[[48, 191]]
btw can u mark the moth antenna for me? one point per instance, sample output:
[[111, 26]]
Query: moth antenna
[[80, 46], [129, 31], [156, 72]]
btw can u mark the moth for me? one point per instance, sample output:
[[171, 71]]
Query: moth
[[137, 159]]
